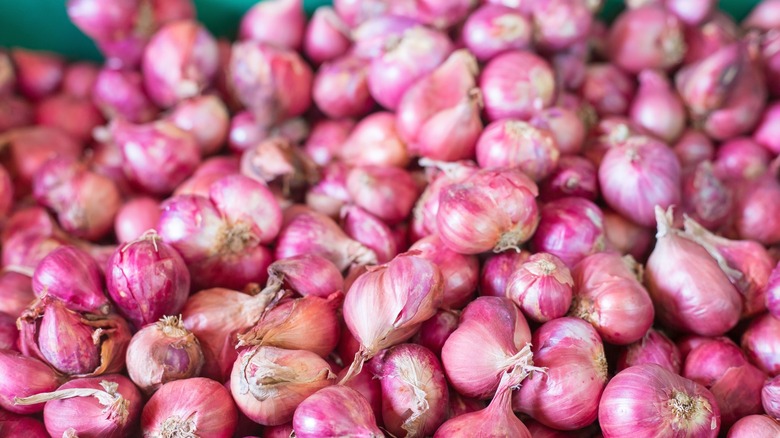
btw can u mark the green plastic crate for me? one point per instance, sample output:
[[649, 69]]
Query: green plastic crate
[[44, 25]]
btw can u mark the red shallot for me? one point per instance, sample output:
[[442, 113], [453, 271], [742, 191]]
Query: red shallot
[[541, 287]]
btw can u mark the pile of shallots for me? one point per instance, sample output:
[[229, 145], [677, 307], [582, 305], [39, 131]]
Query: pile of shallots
[[412, 218]]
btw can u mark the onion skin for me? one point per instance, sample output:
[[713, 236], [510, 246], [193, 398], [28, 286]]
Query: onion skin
[[761, 343], [270, 80], [689, 299], [71, 275], [147, 279], [435, 331], [627, 237], [469, 223], [375, 141], [566, 395], [120, 93], [371, 231], [607, 89], [326, 139], [772, 292], [416, 52], [574, 177], [335, 411], [308, 274], [388, 193], [496, 271], [408, 291], [180, 60], [494, 29], [215, 316], [754, 426], [75, 116], [660, 401], [326, 36], [654, 348], [756, 211], [541, 287], [414, 390], [197, 405], [722, 368], [657, 108], [439, 115], [513, 143], [38, 73], [693, 147], [608, 294], [16, 293], [9, 334], [340, 88], [513, 82], [440, 177], [24, 376], [135, 217], [85, 202], [638, 175], [269, 383], [770, 397], [206, 118], [706, 198], [460, 271], [278, 22], [330, 241], [114, 415], [570, 229], [566, 126], [741, 159], [496, 325], [158, 156], [162, 352], [18, 425], [646, 38], [309, 323]]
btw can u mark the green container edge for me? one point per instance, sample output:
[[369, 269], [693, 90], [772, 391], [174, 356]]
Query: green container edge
[[44, 24]]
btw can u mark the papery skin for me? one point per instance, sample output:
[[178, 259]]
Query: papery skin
[[638, 175], [496, 326], [269, 383], [566, 395], [335, 411], [609, 295], [497, 270], [735, 384], [460, 272], [470, 223], [340, 88], [375, 140], [746, 263], [162, 352], [770, 397], [541, 287], [407, 291], [308, 274], [439, 116], [388, 193], [371, 231], [21, 425], [198, 404], [549, 17], [441, 175], [514, 143], [87, 416], [24, 376], [494, 29], [416, 52], [570, 229], [414, 390], [754, 426], [650, 395], [314, 233], [158, 156], [761, 343], [574, 177], [262, 23], [646, 37], [95, 344], [513, 82], [147, 279], [72, 276], [699, 299], [654, 347], [310, 323], [215, 317], [180, 60]]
